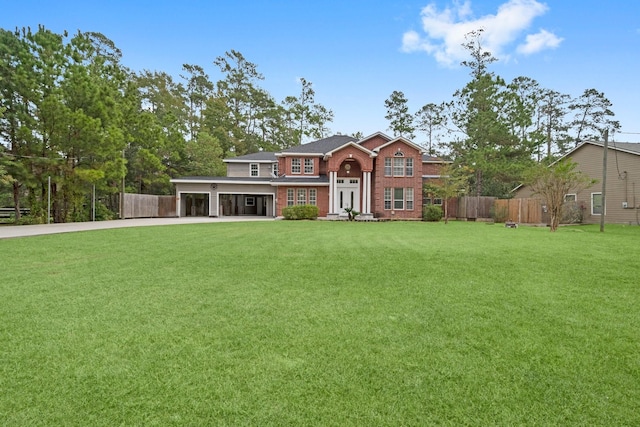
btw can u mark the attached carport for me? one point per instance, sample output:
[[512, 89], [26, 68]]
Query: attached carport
[[225, 196]]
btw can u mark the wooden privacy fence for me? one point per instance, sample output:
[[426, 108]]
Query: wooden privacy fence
[[474, 208], [524, 211], [148, 206]]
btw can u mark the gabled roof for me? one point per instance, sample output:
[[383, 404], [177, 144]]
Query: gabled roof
[[259, 157], [351, 144], [626, 147], [373, 135], [319, 147], [401, 139]]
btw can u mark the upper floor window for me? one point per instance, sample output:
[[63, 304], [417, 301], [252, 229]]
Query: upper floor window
[[308, 166], [254, 169], [295, 166], [274, 169], [387, 166], [398, 166]]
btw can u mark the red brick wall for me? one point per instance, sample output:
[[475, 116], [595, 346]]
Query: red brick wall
[[322, 198], [380, 182], [284, 165], [374, 142], [431, 168]]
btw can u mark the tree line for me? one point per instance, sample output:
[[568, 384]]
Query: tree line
[[74, 119], [495, 131]]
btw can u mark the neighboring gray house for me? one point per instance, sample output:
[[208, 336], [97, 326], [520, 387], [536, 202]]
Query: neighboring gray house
[[623, 182]]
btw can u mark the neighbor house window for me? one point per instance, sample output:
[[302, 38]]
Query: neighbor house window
[[437, 201], [250, 201], [290, 199], [596, 203], [387, 198], [570, 198], [254, 169], [313, 196], [295, 166], [398, 198], [308, 166], [409, 198], [274, 169], [302, 196]]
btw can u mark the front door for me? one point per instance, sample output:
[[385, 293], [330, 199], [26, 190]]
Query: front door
[[347, 194]]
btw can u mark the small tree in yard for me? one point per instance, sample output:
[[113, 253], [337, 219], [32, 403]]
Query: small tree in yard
[[452, 182], [556, 181]]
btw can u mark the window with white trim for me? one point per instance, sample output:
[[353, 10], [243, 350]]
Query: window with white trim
[[274, 169], [409, 198], [308, 166], [313, 196], [290, 195], [302, 196], [295, 166], [387, 166], [398, 198], [570, 197], [409, 166], [596, 203], [437, 201], [398, 166], [254, 169]]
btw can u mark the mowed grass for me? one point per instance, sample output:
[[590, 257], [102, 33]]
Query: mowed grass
[[322, 323]]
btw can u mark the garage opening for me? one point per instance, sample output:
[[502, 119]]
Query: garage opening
[[246, 204], [196, 204]]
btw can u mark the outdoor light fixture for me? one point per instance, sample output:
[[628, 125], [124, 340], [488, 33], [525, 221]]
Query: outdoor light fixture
[[347, 167]]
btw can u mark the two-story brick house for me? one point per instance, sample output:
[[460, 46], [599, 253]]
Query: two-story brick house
[[378, 176]]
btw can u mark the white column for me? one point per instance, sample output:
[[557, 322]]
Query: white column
[[367, 189], [365, 193], [332, 183]]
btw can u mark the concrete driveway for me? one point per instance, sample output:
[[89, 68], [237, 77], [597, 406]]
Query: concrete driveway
[[10, 231]]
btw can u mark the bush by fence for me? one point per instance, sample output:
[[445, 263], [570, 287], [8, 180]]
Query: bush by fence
[[431, 213], [300, 212]]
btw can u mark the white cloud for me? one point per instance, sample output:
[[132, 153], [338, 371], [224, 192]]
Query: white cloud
[[537, 42], [445, 30]]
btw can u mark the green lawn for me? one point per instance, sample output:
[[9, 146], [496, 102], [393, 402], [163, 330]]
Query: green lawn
[[321, 323]]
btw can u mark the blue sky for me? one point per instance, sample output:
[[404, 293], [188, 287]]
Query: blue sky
[[357, 52]]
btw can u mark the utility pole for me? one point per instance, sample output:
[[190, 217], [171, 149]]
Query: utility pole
[[604, 178]]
